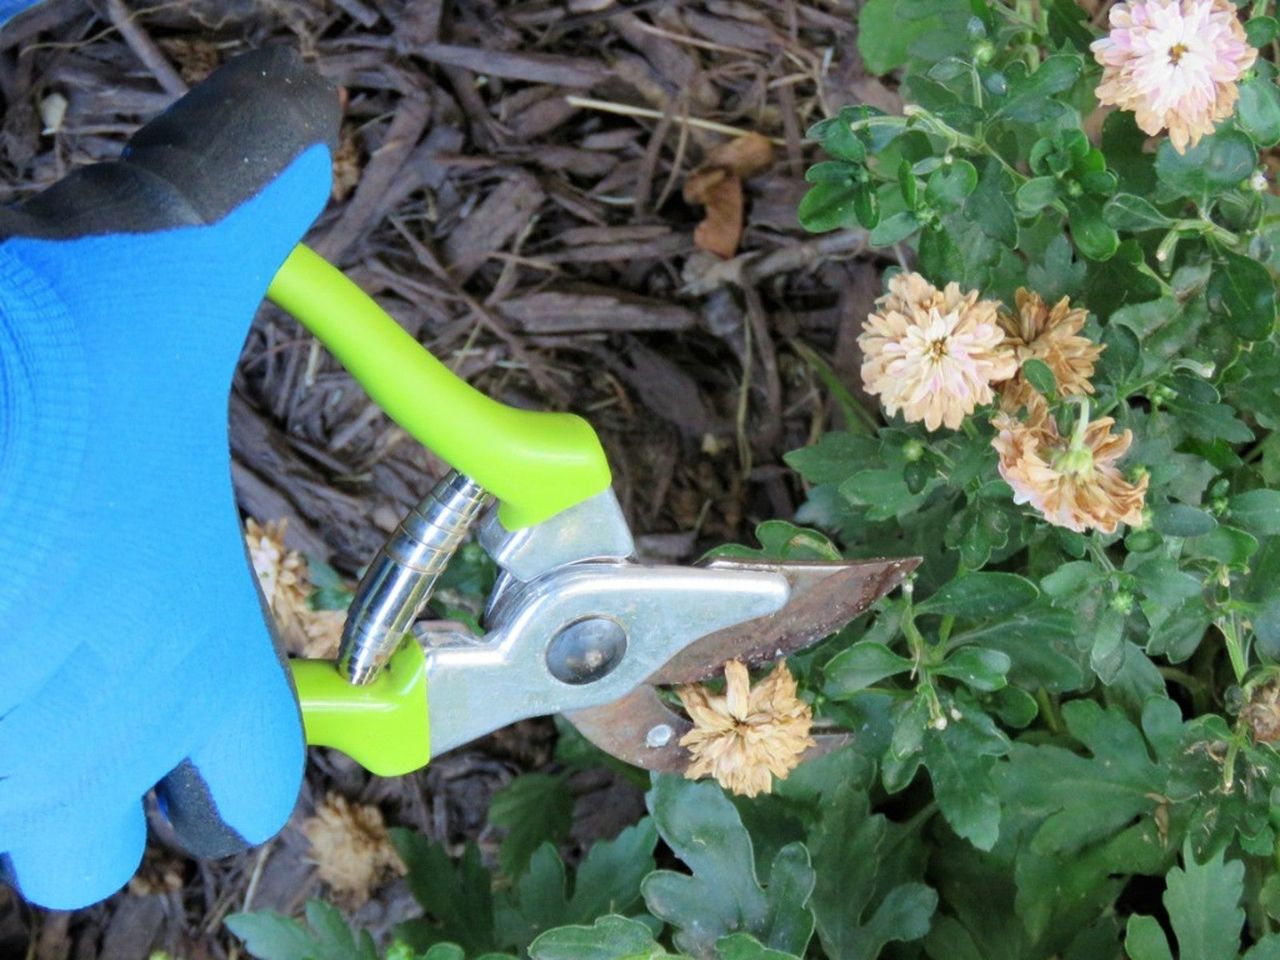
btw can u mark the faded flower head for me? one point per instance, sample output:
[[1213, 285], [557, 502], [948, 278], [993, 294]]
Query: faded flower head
[[1074, 482], [745, 737], [1174, 64], [1050, 334], [351, 848], [1262, 713], [286, 582], [933, 353]]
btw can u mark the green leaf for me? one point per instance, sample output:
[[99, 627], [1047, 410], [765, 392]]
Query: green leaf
[[609, 938], [1180, 520], [1125, 211], [608, 879], [1258, 110], [457, 897], [1227, 545], [743, 946], [846, 841], [1144, 939], [960, 759], [1218, 162], [1040, 376], [884, 37], [829, 206], [981, 596], [1203, 901], [722, 895], [535, 903], [1036, 194], [1094, 237], [835, 457], [1242, 291], [894, 228], [325, 936], [1059, 274], [833, 171], [533, 808], [981, 669], [1029, 95], [1258, 511], [1107, 652], [861, 666], [1081, 800], [950, 184]]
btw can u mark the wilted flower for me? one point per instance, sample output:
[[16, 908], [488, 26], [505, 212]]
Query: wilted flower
[[1073, 483], [1174, 64], [286, 582], [351, 848], [933, 353], [1053, 336], [745, 737], [1262, 713]]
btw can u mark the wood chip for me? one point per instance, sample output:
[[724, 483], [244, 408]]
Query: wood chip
[[502, 215], [532, 67], [585, 309]]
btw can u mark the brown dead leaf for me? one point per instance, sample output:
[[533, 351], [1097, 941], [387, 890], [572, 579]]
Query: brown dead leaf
[[717, 186]]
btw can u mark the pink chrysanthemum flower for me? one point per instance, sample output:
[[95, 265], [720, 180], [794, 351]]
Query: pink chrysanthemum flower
[[933, 353], [1174, 64]]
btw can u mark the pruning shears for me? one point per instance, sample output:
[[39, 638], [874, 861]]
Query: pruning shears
[[574, 624]]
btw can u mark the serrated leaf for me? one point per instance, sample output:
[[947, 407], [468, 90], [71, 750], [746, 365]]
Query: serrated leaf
[[533, 808], [846, 840], [1084, 799], [861, 666], [722, 895], [1203, 901], [1144, 939], [608, 879], [609, 938], [1029, 95], [959, 759], [981, 595], [456, 896], [325, 936]]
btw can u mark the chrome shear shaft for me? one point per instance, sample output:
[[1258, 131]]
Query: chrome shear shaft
[[402, 577]]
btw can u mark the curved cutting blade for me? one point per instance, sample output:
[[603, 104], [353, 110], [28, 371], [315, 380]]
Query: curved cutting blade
[[824, 597], [642, 730]]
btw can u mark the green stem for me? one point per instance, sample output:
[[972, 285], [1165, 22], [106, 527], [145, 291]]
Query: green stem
[[1049, 710]]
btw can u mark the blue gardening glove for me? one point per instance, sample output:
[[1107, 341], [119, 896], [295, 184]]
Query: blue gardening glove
[[133, 647]]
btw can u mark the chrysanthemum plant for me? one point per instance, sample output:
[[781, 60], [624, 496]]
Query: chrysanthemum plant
[[1063, 728], [1068, 403]]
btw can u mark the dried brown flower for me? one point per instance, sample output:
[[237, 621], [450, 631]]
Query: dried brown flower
[[1051, 334], [933, 353], [744, 737], [1073, 482], [1262, 713], [286, 582], [351, 848]]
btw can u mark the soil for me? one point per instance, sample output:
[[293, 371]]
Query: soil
[[545, 250]]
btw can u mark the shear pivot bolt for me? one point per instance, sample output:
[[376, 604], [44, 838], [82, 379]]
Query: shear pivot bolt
[[585, 651], [659, 736]]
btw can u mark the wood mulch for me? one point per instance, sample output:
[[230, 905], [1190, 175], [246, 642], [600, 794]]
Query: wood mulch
[[508, 187]]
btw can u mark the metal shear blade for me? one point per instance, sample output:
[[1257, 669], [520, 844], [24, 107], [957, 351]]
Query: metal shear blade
[[642, 730]]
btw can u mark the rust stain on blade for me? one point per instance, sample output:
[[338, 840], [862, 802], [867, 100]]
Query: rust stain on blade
[[824, 597], [643, 731]]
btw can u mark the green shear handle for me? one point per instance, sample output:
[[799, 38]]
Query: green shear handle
[[536, 464]]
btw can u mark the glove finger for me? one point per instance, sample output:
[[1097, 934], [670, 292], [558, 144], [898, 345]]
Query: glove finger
[[239, 788], [55, 867]]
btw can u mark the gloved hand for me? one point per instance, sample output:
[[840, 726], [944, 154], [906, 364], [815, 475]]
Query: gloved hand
[[133, 647]]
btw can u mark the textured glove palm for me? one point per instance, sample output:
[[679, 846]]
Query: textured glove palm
[[133, 647]]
